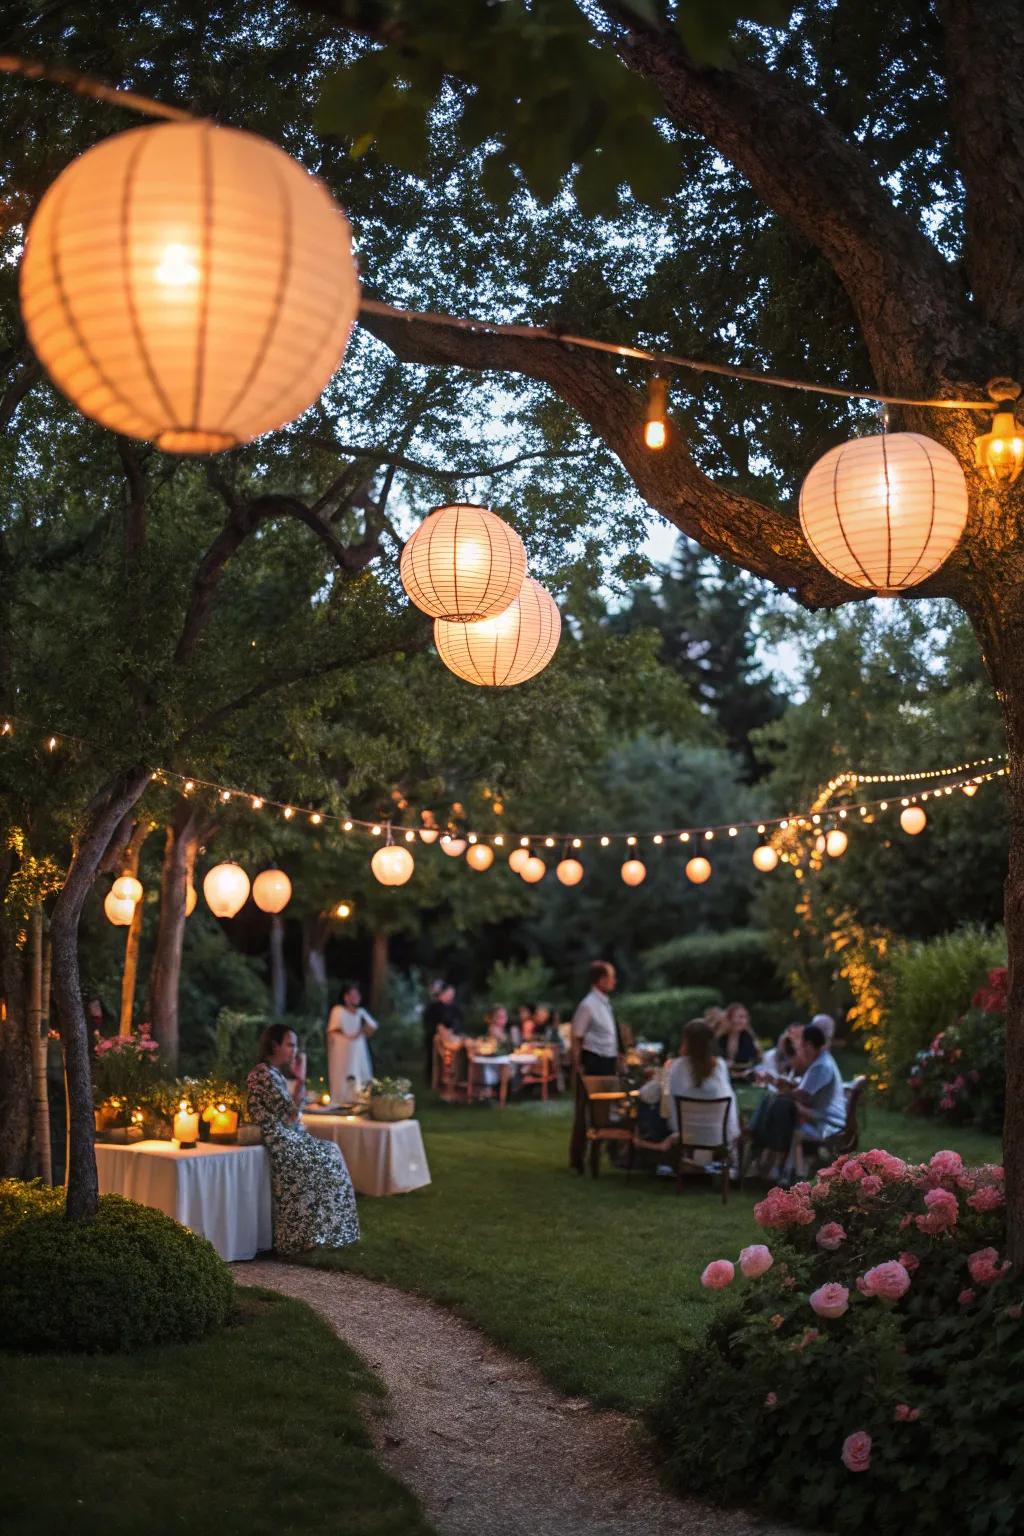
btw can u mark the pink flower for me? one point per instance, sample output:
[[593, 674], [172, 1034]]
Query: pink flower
[[783, 1208], [985, 1268], [888, 1281], [771, 1401], [852, 1172], [831, 1236], [905, 1414], [756, 1260], [809, 1336], [884, 1164], [857, 1451], [830, 1300], [718, 1275], [943, 1211], [987, 1198], [910, 1262], [872, 1185], [966, 1297], [949, 1165], [820, 1192]]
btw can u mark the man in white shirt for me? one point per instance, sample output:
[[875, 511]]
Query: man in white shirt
[[597, 1046]]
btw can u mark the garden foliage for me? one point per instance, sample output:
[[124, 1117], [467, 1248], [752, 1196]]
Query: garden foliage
[[929, 985], [661, 1015], [871, 1373], [961, 1075]]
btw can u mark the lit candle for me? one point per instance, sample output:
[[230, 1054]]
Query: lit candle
[[325, 1098], [223, 1124], [186, 1126]]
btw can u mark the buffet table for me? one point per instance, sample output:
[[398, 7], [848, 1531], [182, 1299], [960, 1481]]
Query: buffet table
[[219, 1192], [384, 1157]]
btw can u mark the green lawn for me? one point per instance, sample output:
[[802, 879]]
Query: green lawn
[[257, 1431], [593, 1280]]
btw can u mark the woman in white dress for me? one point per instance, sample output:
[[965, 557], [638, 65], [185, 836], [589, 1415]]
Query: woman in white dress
[[698, 1072], [349, 1028]]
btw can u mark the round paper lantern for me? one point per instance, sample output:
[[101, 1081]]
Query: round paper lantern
[[836, 843], [634, 872], [272, 890], [118, 910], [480, 856], [127, 888], [913, 820], [504, 651], [454, 847], [698, 870], [225, 887], [517, 859], [533, 870], [392, 865], [765, 858], [463, 563], [189, 284], [569, 871], [190, 899], [884, 512], [429, 834]]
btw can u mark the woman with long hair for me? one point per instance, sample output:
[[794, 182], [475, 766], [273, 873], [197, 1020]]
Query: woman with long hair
[[698, 1072]]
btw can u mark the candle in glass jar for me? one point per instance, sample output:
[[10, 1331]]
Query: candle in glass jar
[[186, 1126], [224, 1123]]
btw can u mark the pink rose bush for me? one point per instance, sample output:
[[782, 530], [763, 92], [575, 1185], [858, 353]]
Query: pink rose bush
[[830, 1236], [889, 1281], [830, 1300], [756, 1260], [718, 1275], [984, 1267], [857, 1451]]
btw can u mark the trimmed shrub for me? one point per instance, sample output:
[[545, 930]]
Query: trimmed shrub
[[868, 1378], [128, 1278], [741, 962], [661, 1015], [929, 985]]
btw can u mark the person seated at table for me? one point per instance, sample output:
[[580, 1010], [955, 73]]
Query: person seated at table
[[651, 1123], [525, 1028], [811, 1110], [545, 1024], [698, 1072], [496, 1026], [827, 1024], [781, 1060], [349, 1030], [314, 1203], [737, 1043]]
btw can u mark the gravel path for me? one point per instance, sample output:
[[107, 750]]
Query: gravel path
[[485, 1443]]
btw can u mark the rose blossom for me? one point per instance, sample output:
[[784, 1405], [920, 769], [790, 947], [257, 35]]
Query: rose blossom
[[755, 1260], [718, 1275], [783, 1208], [771, 1401], [831, 1236], [872, 1185], [905, 1414], [910, 1262], [988, 1198], [966, 1297], [852, 1172], [884, 1164], [943, 1211], [985, 1268], [830, 1300], [889, 1281], [948, 1165], [857, 1451]]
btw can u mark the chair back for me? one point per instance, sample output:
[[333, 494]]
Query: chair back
[[849, 1137], [603, 1098], [702, 1123]]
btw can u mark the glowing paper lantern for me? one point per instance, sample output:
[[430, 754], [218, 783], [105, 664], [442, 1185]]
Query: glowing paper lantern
[[765, 858], [913, 820], [454, 847], [569, 871], [272, 890], [884, 512], [189, 284], [836, 843], [190, 899], [480, 857], [517, 859], [633, 872], [533, 870], [392, 865], [429, 834], [698, 870], [970, 790], [503, 651], [127, 888], [226, 887], [118, 910], [463, 563]]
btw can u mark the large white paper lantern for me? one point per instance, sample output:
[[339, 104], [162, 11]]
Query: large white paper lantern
[[480, 856], [517, 859], [504, 651], [454, 847], [392, 865], [634, 872], [533, 870], [226, 887], [463, 563], [836, 843], [913, 820], [189, 284], [118, 909], [569, 871], [272, 890], [127, 888], [764, 858], [884, 512], [698, 870]]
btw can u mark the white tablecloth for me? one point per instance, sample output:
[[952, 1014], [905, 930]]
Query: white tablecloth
[[384, 1157], [222, 1193]]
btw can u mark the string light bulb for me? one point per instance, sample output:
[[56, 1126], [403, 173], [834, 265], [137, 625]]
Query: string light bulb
[[454, 847], [836, 843], [533, 870], [517, 860], [343, 910], [999, 453], [764, 858], [913, 820], [392, 865], [655, 424], [569, 871], [634, 872], [698, 870], [479, 856]]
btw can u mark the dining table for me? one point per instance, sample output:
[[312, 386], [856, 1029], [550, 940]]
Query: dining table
[[384, 1157]]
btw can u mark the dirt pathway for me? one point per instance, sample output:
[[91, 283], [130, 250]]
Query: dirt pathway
[[488, 1446]]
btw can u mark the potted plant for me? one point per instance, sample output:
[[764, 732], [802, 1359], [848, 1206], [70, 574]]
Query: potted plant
[[391, 1098], [124, 1069]]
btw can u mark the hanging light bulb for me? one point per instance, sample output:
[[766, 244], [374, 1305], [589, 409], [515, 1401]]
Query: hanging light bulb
[[970, 790], [764, 858], [127, 888], [508, 649], [429, 834], [480, 857], [343, 910], [569, 871], [634, 872], [836, 843], [517, 859], [698, 870], [533, 870], [226, 887], [655, 426], [454, 847], [913, 820], [118, 910], [1000, 451], [272, 890], [463, 564], [392, 864]]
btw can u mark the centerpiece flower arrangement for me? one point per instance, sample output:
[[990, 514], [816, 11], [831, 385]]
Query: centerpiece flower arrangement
[[391, 1098], [868, 1373], [124, 1068]]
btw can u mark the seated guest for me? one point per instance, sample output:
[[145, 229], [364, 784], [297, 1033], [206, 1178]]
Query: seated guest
[[699, 1073], [314, 1205], [781, 1060], [813, 1109], [651, 1124], [525, 1027], [737, 1042], [827, 1024], [443, 1016], [496, 1025], [545, 1023]]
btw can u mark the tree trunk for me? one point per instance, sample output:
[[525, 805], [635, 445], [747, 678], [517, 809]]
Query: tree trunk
[[15, 1061], [278, 975], [37, 1034], [315, 933], [100, 823], [180, 847], [133, 938], [379, 973]]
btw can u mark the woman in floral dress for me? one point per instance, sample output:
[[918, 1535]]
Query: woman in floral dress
[[314, 1203]]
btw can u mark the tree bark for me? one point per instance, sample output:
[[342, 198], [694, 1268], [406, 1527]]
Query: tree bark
[[15, 1059], [379, 972], [99, 825], [38, 1036], [180, 847], [278, 975], [133, 938], [315, 933]]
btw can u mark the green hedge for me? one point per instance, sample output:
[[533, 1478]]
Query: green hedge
[[929, 986], [741, 962], [125, 1279], [661, 1015]]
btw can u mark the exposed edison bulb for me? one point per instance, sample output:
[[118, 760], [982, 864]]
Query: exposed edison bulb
[[1000, 451], [655, 426]]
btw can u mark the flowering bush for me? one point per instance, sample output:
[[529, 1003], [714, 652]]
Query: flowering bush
[[960, 1077], [890, 1282], [124, 1066]]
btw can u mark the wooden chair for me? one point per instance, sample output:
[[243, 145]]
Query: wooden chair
[[601, 1098], [703, 1127], [539, 1075], [450, 1076]]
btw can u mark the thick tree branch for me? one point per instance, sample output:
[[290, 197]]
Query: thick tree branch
[[438, 472], [17, 388], [136, 503]]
